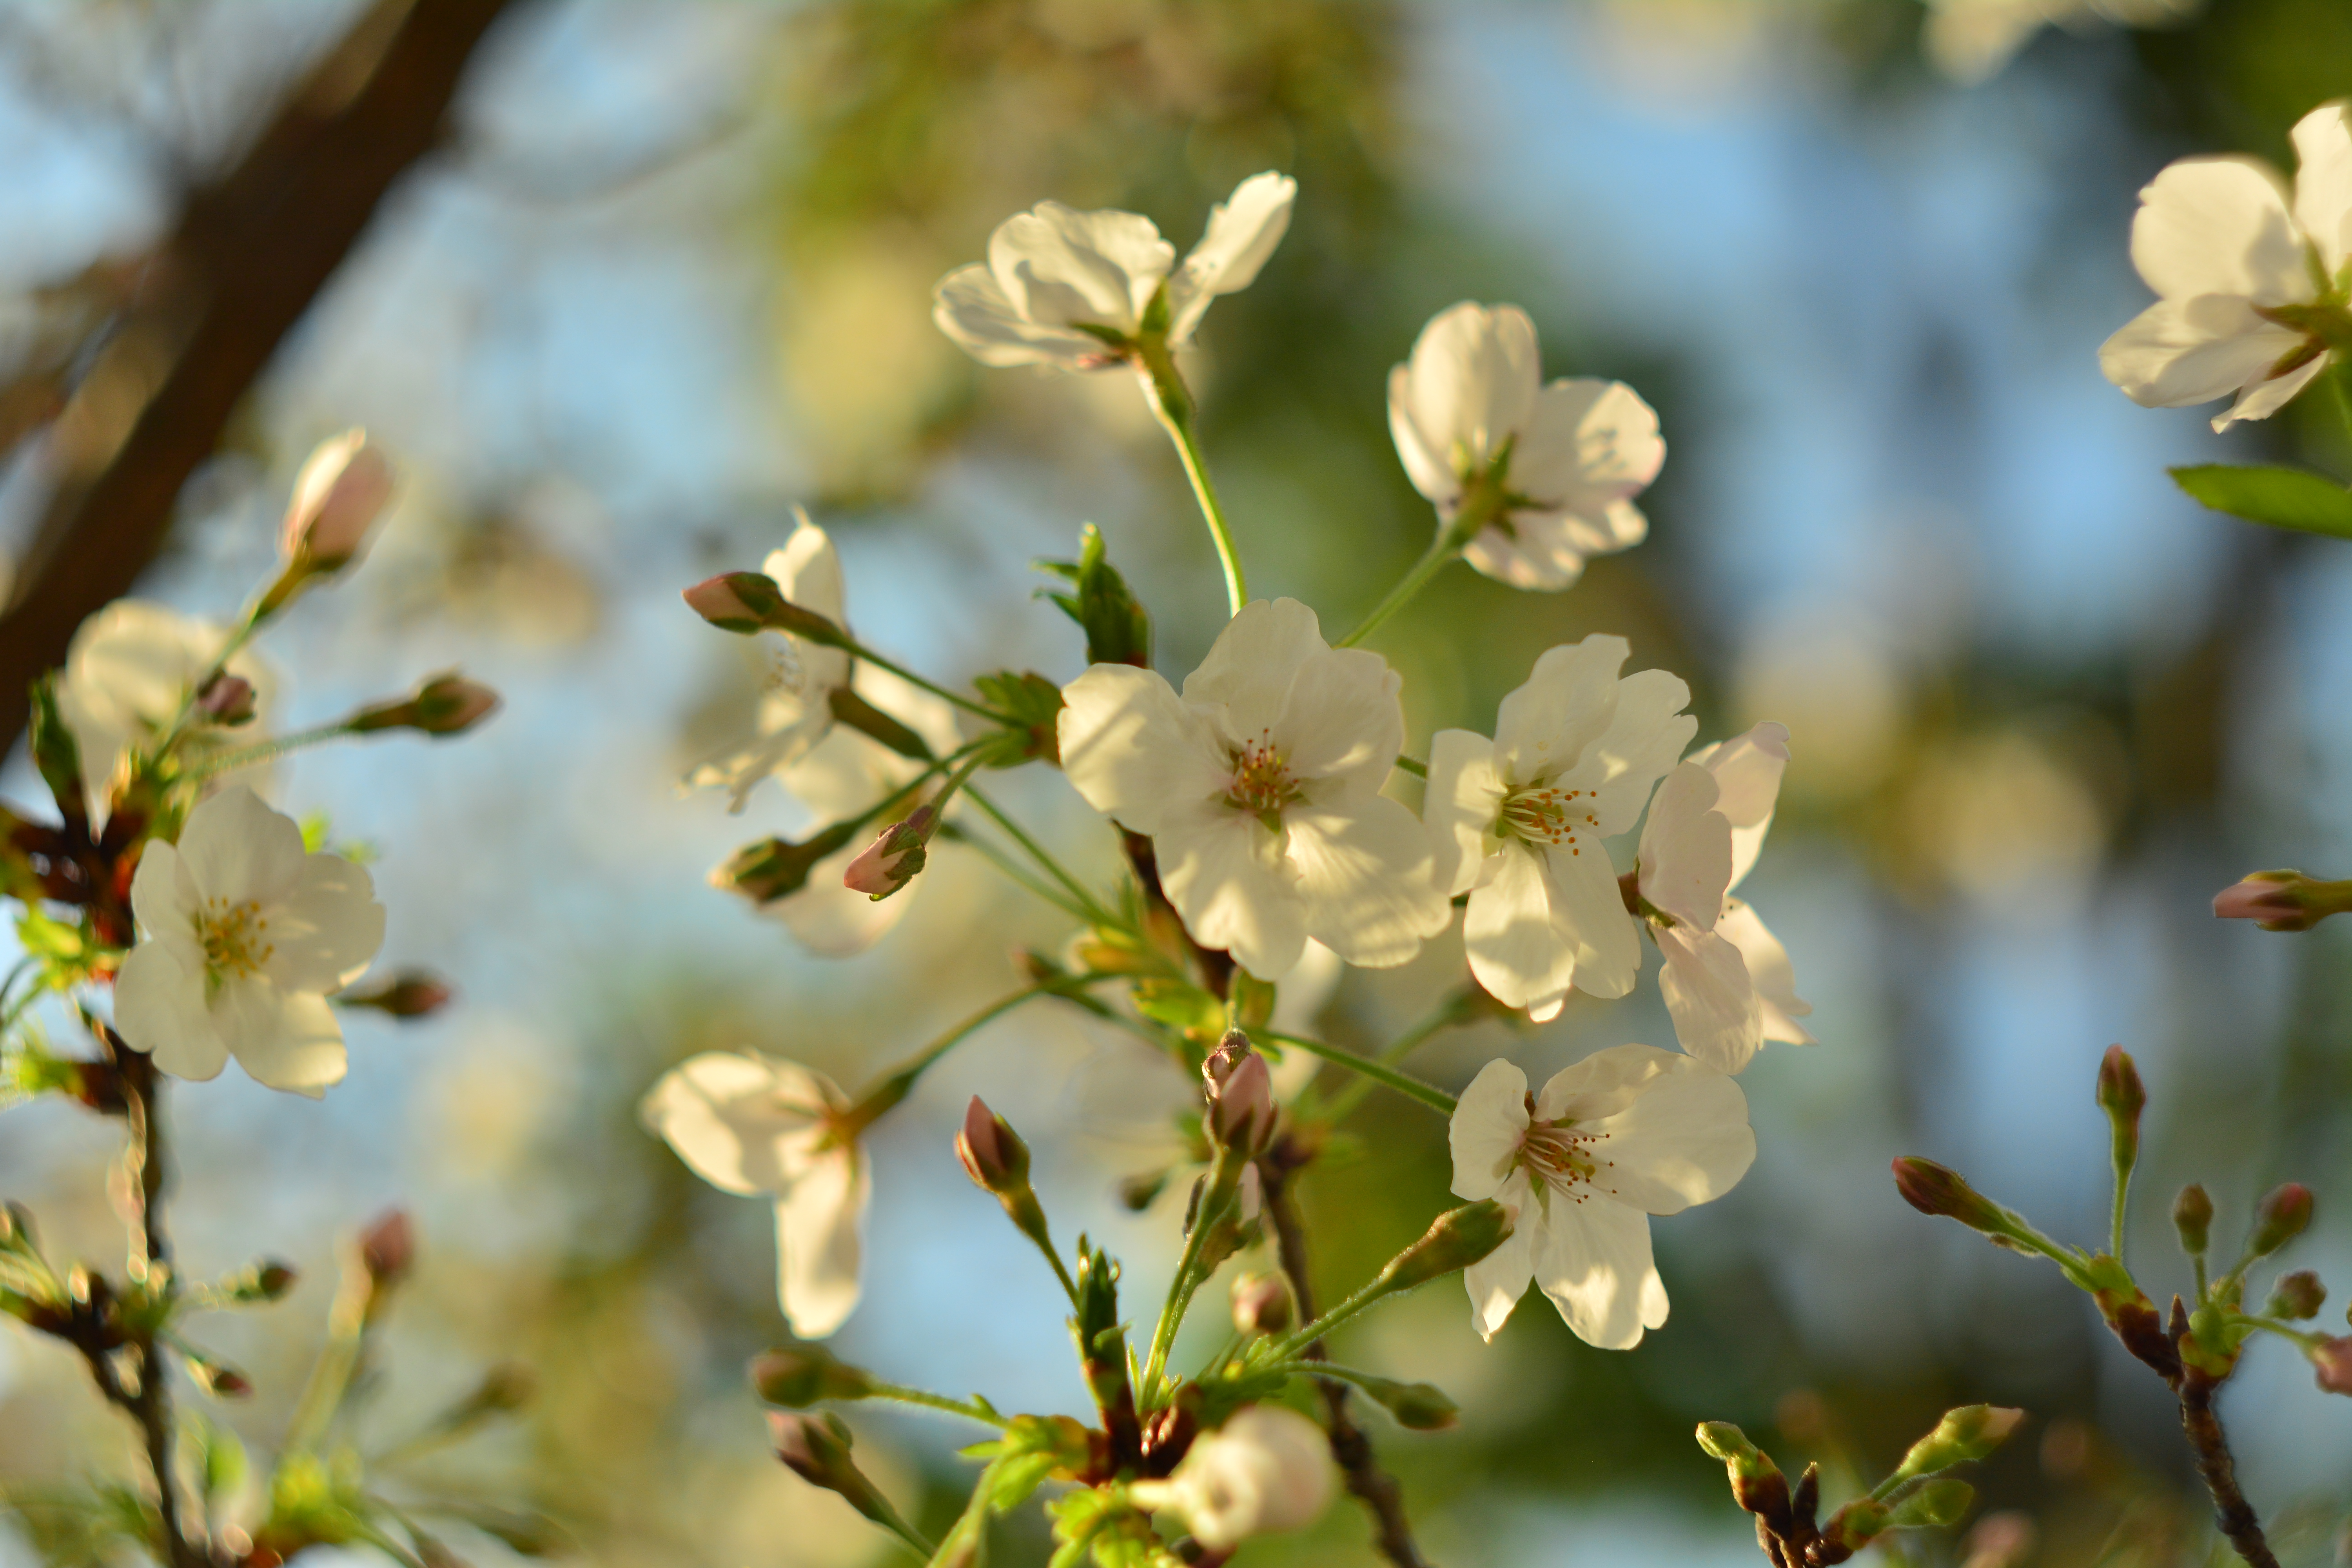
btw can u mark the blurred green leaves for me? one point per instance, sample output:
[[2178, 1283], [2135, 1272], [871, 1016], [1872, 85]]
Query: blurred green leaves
[[2293, 499]]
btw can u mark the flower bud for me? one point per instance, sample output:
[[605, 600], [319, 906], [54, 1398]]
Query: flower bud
[[385, 1252], [748, 602], [2192, 1218], [1858, 1524], [2121, 1097], [2331, 1360], [1416, 1406], [1938, 1190], [798, 1376], [406, 993], [1756, 1483], [2280, 1218], [1264, 1303], [816, 1449], [1934, 1505], [2296, 1296], [1455, 1239], [1969, 1433], [1266, 1469], [993, 1156], [264, 1281], [893, 860], [1241, 1095], [337, 496], [448, 704], [2282, 900], [220, 1381], [226, 699], [777, 868]]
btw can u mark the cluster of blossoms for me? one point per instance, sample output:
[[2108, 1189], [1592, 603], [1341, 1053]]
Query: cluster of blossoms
[[1263, 849]]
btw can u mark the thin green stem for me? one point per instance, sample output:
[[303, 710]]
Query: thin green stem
[[1369, 1292], [964, 1539], [1220, 1191], [1483, 501], [962, 1408], [1045, 858], [1413, 765], [1171, 403], [1014, 872], [1446, 1016], [1404, 1083], [2116, 1229], [859, 650], [896, 1085], [2203, 1290], [246, 756]]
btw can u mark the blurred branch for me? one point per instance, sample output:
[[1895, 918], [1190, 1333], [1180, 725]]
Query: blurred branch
[[250, 252]]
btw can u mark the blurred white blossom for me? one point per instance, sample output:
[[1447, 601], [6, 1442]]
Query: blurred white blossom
[[1470, 408], [1260, 790], [1266, 1469], [246, 936], [1625, 1134], [129, 671]]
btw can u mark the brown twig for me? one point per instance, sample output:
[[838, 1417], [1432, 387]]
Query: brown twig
[[1372, 1486], [2231, 1513], [152, 1261]]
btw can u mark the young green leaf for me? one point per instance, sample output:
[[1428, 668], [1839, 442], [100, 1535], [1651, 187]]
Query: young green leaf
[[2280, 497]]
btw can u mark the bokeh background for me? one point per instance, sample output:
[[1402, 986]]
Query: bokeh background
[[665, 273]]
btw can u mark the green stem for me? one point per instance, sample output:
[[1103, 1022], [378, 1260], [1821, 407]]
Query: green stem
[[859, 650], [1446, 1016], [1481, 504], [1412, 766], [965, 1409], [896, 1085], [261, 752], [957, 1546], [1171, 401], [1013, 871], [1404, 1083], [1365, 1296], [1221, 1189], [1038, 853]]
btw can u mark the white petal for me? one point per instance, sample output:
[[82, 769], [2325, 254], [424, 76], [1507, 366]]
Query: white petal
[[285, 1040], [2182, 352], [1250, 666], [1748, 771], [817, 1246], [1472, 379], [1518, 949], [1342, 718], [1645, 734], [1489, 1122], [2266, 397], [325, 930], [1135, 752], [1363, 869], [1059, 266], [1768, 970], [1243, 231], [1587, 443], [163, 894], [1544, 726], [2219, 226], [1718, 1017], [1539, 559], [1429, 467], [1686, 848], [742, 1122], [1459, 807], [973, 309], [808, 569], [1226, 875], [1594, 1260], [159, 1006], [1496, 1281], [1682, 1139], [238, 848], [2322, 181], [1589, 911]]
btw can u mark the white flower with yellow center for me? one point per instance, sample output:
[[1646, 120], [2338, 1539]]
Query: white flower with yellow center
[[1725, 979], [1625, 1134], [246, 936], [1558, 465], [1072, 289], [758, 1127], [1520, 822], [1259, 788], [129, 671]]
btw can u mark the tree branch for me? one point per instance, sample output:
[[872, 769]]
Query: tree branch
[[2232, 1513], [248, 254]]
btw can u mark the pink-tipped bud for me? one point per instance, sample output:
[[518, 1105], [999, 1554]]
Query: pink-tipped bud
[[1263, 1304], [2296, 1296], [387, 1249], [993, 1156], [1241, 1095], [894, 858], [409, 993], [2280, 1218], [226, 699], [1938, 1190], [2332, 1360], [735, 601], [2282, 900], [337, 496], [448, 704]]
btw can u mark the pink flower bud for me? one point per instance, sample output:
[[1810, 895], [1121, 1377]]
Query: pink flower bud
[[733, 604], [445, 705], [1938, 1190], [388, 1249], [993, 1156], [226, 699], [409, 993], [1263, 1304], [1241, 1095], [337, 496], [2332, 1360], [2282, 900], [2279, 1218], [893, 860]]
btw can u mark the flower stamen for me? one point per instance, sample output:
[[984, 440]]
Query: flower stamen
[[1261, 784], [1547, 816], [1559, 1158], [235, 938]]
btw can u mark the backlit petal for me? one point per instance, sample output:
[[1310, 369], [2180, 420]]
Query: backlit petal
[[1686, 849], [1343, 719], [2182, 352], [2267, 396], [1250, 668], [1718, 1016], [1683, 1138], [2219, 226], [1586, 439], [973, 309], [739, 1120], [1544, 726], [159, 1006], [1363, 869], [1459, 807], [1518, 950], [1242, 232], [1226, 875], [2322, 181], [1768, 970], [238, 848], [1489, 1120], [1748, 771], [1134, 750], [1472, 379], [818, 1249], [1593, 1261]]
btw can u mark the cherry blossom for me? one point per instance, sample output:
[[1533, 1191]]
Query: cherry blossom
[[129, 671], [758, 1127], [1551, 468], [246, 936], [1625, 1134], [1259, 787], [1519, 823], [1266, 1469]]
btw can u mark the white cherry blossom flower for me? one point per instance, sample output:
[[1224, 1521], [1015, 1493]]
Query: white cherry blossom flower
[[246, 936], [758, 1127], [1073, 290], [1260, 790], [1471, 413], [1725, 979], [1625, 1134], [1266, 1469], [128, 670], [796, 710], [2251, 277], [1520, 822]]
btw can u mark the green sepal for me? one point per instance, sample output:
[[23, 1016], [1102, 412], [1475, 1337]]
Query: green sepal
[[1933, 1503], [56, 753], [1118, 630], [2277, 498], [1034, 705]]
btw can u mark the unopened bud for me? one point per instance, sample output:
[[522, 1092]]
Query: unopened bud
[[1416, 1406], [2280, 1218], [2331, 1359], [1456, 1239], [798, 1376], [406, 994], [1756, 1483], [1263, 1304], [748, 602], [337, 496], [2282, 901], [264, 1281], [1969, 1433], [1938, 1504], [1858, 1524], [226, 699], [445, 705], [893, 860], [220, 1381], [993, 1156], [777, 868], [2296, 1296], [2192, 1218], [1938, 1190], [2123, 1098], [387, 1250], [816, 1449], [1241, 1095]]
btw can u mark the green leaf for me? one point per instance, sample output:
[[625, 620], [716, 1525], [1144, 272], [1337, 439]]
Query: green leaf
[[2280, 497], [1034, 705], [1180, 1005], [1118, 630]]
